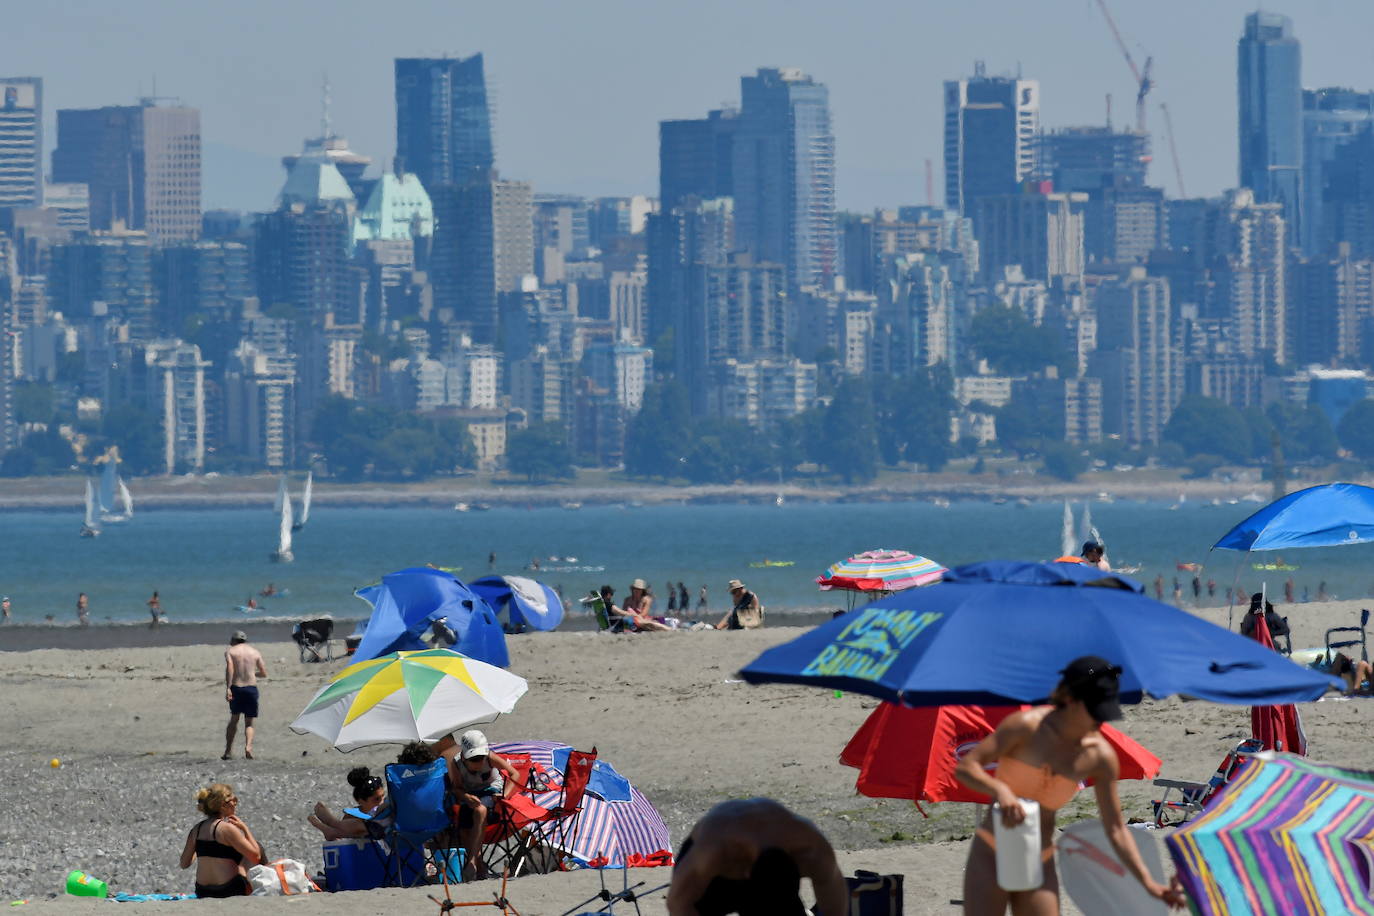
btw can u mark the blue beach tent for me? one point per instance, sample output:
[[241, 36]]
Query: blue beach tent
[[999, 633], [525, 601], [405, 605], [1324, 516]]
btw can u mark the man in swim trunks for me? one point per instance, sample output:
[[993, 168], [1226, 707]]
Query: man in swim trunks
[[748, 856], [242, 668]]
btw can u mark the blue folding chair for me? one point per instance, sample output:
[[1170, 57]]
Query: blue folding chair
[[420, 803]]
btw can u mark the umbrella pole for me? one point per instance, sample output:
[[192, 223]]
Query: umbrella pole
[[1235, 587]]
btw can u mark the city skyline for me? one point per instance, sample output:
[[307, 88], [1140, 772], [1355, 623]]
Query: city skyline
[[608, 145]]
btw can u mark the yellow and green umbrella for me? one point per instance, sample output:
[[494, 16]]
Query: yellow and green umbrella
[[408, 696]]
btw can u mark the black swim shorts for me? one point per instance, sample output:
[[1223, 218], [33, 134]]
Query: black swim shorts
[[244, 701]]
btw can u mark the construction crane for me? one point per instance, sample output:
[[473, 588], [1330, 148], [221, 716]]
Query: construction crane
[[1143, 81], [1173, 149]]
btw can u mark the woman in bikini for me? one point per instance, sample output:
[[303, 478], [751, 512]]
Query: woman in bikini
[[1044, 754], [222, 846], [369, 797]]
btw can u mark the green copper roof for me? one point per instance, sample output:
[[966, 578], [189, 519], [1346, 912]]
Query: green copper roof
[[314, 179], [397, 209]]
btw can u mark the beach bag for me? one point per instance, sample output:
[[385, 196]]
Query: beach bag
[[750, 618], [284, 877], [872, 894]]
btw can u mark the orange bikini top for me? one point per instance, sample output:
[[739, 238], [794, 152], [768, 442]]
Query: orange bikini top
[[1039, 783]]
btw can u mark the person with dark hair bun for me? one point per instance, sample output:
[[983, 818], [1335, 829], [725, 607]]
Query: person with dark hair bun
[[370, 808]]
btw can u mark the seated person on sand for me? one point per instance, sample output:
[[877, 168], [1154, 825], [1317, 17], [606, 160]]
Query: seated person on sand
[[221, 845], [1277, 625], [416, 753], [369, 796], [478, 778], [746, 613], [748, 856], [636, 610], [1358, 675]]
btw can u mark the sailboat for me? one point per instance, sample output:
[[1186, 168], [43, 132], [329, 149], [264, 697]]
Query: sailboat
[[112, 488], [1068, 544], [283, 554], [91, 526], [305, 501]]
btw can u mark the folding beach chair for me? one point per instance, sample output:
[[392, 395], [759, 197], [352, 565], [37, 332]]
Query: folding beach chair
[[504, 838], [1194, 796], [1362, 641], [419, 800], [313, 639], [556, 832]]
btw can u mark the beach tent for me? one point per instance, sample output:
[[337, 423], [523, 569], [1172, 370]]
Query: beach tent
[[999, 633], [406, 604], [525, 601], [1286, 836]]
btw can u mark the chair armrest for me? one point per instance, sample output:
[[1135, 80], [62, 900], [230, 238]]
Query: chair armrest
[[1178, 784]]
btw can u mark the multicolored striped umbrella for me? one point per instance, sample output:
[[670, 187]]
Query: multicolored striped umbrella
[[1286, 836], [408, 696], [881, 571], [613, 829]]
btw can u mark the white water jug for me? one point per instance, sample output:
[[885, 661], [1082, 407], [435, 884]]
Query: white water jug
[[1019, 866]]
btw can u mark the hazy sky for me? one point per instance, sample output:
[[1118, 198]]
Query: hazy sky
[[580, 87]]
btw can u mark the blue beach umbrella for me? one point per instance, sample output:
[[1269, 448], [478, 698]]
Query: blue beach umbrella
[[405, 604], [1325, 516], [998, 633], [525, 601]]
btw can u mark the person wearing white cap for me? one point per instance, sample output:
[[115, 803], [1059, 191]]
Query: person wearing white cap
[[242, 667], [479, 778], [636, 609]]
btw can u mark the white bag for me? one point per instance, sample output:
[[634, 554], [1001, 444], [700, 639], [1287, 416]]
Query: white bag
[[279, 878]]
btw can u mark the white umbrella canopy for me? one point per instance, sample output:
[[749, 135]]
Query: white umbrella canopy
[[408, 696]]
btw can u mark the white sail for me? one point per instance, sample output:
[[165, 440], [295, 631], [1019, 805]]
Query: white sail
[[1085, 525], [283, 554], [109, 479], [281, 494], [91, 521], [305, 499], [1066, 538], [126, 500]]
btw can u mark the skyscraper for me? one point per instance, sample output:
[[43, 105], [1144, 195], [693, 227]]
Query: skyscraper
[[696, 158], [483, 246], [1269, 84], [141, 163], [990, 128], [784, 174], [443, 119], [1135, 356], [21, 142], [1337, 179]]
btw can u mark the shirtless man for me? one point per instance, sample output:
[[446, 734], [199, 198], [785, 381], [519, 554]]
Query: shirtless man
[[748, 857], [242, 668]]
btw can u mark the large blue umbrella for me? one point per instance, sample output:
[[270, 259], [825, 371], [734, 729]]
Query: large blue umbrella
[[999, 633], [1325, 516], [525, 601], [405, 605]]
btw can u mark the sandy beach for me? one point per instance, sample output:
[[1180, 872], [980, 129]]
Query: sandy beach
[[137, 730]]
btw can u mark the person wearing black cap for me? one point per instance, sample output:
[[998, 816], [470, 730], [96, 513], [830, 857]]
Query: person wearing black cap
[[1044, 754], [1095, 555]]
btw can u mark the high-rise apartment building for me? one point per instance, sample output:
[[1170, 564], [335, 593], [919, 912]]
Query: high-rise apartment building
[[21, 141], [1269, 85], [1333, 300], [1042, 232], [443, 119], [990, 128], [483, 247], [1250, 280], [105, 276], [140, 162], [213, 280], [696, 158], [259, 405], [175, 376], [1337, 182], [1135, 357], [784, 175]]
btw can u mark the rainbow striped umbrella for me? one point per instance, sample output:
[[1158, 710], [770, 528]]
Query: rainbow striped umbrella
[[1286, 836], [613, 829], [881, 571], [408, 696]]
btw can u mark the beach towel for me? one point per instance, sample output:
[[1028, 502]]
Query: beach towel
[[149, 898]]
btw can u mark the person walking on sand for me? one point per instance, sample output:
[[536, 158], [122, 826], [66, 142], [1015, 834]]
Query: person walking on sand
[[701, 599], [1159, 588], [83, 613], [242, 668], [155, 609], [1044, 755], [748, 856], [684, 600], [1288, 588], [5, 606]]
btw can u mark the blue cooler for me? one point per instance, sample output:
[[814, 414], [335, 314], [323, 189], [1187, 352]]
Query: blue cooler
[[354, 865]]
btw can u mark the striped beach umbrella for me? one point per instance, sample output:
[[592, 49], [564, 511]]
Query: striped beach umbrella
[[1286, 836], [408, 696], [606, 828], [881, 571]]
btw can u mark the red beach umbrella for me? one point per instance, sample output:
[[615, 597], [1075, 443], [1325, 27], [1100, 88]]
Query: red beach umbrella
[[1279, 727], [906, 752]]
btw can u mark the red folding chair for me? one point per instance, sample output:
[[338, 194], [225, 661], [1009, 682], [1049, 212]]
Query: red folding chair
[[504, 838], [557, 831]]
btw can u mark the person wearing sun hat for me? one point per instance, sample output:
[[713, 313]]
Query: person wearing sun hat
[[1044, 755], [636, 609], [746, 613]]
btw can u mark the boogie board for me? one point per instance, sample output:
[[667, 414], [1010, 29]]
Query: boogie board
[[1096, 880]]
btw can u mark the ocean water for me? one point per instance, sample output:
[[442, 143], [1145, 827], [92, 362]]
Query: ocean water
[[207, 563]]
